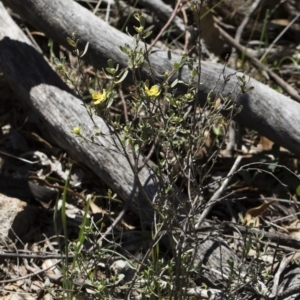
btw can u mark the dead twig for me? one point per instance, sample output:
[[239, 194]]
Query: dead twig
[[285, 86], [217, 194]]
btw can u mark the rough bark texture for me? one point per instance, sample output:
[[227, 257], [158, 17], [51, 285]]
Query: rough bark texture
[[272, 114], [35, 83], [39, 86]]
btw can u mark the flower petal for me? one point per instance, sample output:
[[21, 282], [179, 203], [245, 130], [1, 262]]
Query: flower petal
[[99, 97], [154, 91]]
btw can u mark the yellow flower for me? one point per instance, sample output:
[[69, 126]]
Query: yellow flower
[[76, 130], [98, 98], [154, 91], [139, 29]]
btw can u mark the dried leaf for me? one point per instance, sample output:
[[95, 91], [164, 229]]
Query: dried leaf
[[251, 216]]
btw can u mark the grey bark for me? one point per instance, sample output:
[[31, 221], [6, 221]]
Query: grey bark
[[265, 110], [39, 86]]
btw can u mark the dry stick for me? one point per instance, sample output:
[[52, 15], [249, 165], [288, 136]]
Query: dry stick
[[284, 240], [163, 11], [147, 158], [30, 275], [282, 266], [33, 255], [279, 126], [113, 225], [187, 33], [166, 25], [121, 94], [29, 268], [285, 294], [286, 87], [96, 7], [128, 10], [19, 158], [234, 126], [233, 133], [218, 193], [280, 35], [240, 30]]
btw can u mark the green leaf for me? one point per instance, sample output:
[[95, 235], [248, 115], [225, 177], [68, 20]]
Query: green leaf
[[272, 166], [210, 97], [142, 20], [249, 89], [176, 66], [57, 61], [239, 109], [108, 76], [194, 73], [110, 102], [241, 79], [147, 34], [174, 83], [138, 15], [110, 63], [110, 70], [298, 190], [162, 162], [183, 61], [122, 77], [85, 49], [217, 131], [71, 42], [125, 49]]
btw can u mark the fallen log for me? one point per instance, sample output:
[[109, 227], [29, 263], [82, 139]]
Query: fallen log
[[265, 110], [37, 85]]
